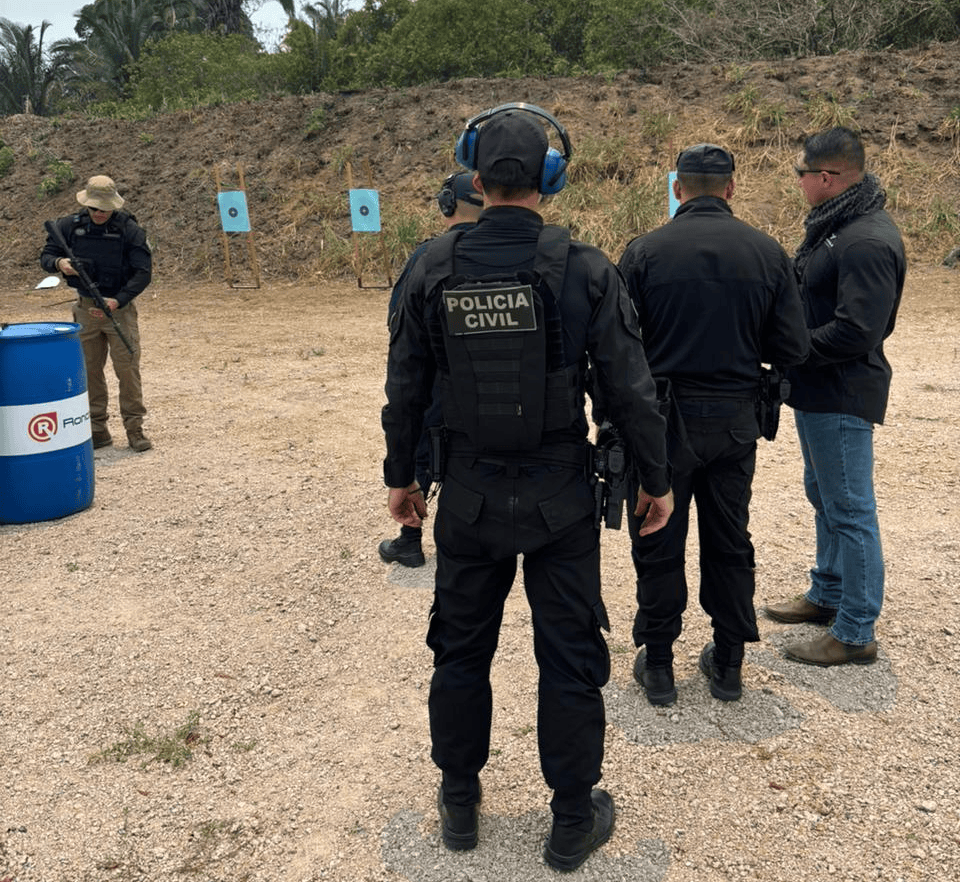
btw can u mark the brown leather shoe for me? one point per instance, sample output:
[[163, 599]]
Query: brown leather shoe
[[794, 612], [101, 438], [827, 651], [138, 441]]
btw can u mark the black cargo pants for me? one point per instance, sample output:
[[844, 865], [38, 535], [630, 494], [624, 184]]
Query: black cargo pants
[[488, 514]]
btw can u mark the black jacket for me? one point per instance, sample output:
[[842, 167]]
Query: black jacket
[[851, 289], [716, 298], [599, 325]]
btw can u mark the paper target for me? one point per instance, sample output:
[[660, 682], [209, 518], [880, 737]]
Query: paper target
[[233, 211], [365, 211]]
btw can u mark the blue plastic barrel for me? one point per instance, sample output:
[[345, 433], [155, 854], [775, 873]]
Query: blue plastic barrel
[[46, 448]]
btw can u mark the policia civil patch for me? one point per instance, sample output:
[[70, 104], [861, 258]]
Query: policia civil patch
[[489, 307]]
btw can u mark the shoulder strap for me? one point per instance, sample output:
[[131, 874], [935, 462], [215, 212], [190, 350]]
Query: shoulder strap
[[438, 259], [553, 247]]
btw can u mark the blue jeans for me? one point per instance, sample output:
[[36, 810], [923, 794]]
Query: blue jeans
[[838, 478]]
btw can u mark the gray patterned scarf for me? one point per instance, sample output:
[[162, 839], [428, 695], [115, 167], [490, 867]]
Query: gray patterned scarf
[[824, 220]]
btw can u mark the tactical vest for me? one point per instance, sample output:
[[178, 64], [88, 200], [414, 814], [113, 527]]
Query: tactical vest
[[100, 248], [498, 342]]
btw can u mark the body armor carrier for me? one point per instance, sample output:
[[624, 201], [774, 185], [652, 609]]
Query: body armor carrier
[[498, 341], [100, 248]]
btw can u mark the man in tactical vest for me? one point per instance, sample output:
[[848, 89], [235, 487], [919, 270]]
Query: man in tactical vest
[[113, 252], [507, 315], [460, 206]]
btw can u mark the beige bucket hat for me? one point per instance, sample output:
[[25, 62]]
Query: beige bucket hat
[[101, 192]]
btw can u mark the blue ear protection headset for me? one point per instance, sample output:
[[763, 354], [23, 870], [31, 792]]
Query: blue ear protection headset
[[553, 172]]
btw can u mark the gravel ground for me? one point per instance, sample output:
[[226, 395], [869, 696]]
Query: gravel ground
[[210, 675]]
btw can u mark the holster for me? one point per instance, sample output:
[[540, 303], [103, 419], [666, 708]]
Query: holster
[[773, 390], [609, 477]]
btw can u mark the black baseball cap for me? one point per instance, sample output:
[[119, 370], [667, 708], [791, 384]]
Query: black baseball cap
[[705, 159], [512, 135]]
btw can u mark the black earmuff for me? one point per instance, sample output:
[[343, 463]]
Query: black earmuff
[[553, 173], [447, 197]]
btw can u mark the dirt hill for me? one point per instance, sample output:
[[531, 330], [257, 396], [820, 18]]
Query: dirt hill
[[293, 152]]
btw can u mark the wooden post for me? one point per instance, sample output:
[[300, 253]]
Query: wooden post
[[383, 244], [251, 249], [225, 239], [348, 168], [223, 235]]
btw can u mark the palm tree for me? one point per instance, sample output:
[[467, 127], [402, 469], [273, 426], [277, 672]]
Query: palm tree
[[112, 34], [326, 17], [27, 73], [324, 21], [225, 17]]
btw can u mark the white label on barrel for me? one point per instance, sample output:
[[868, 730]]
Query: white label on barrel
[[44, 427]]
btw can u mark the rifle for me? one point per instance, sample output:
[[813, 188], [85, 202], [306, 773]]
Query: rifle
[[88, 283]]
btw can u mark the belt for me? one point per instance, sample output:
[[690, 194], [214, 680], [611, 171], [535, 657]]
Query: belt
[[570, 455]]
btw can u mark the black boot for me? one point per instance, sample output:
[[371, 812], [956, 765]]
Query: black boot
[[568, 847], [657, 682], [725, 682], [404, 550], [459, 824]]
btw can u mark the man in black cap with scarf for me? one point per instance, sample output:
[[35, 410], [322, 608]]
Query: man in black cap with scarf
[[716, 299], [512, 382], [851, 267]]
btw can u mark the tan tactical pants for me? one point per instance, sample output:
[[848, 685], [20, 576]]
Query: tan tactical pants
[[98, 337]]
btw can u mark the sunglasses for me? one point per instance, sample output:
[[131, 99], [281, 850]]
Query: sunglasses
[[813, 171]]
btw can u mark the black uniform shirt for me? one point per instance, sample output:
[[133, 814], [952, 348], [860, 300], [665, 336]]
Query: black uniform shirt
[[716, 298]]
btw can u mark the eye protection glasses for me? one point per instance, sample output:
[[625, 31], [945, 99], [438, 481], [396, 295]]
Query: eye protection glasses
[[813, 171]]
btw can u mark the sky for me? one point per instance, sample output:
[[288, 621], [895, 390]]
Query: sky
[[60, 14]]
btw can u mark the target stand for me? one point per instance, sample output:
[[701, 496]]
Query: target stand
[[234, 221], [365, 218]]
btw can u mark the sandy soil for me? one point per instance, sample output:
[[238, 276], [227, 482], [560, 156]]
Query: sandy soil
[[223, 594]]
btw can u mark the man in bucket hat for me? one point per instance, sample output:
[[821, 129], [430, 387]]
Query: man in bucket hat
[[509, 354], [114, 252]]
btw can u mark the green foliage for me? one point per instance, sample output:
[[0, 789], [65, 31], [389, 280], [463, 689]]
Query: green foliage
[[311, 56], [172, 748], [743, 101], [125, 62], [28, 75], [316, 122], [112, 35], [59, 174], [825, 112], [625, 34], [7, 159], [941, 217], [182, 71], [430, 43]]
